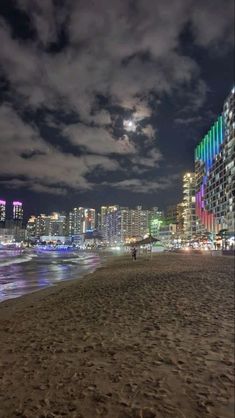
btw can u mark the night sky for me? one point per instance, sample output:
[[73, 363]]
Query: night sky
[[103, 102]]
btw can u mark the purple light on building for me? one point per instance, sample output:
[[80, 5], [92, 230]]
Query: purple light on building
[[2, 202], [17, 210]]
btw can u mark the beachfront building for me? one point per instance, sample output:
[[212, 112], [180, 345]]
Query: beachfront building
[[53, 225], [180, 220], [17, 211], [215, 174], [106, 219], [2, 211], [123, 225], [88, 220], [189, 210], [116, 226], [229, 159], [31, 227], [211, 180], [156, 219], [12, 235], [167, 234], [138, 222], [57, 224], [75, 219], [81, 220], [171, 214], [17, 215]]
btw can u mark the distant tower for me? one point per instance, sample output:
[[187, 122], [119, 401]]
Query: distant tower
[[17, 211], [2, 210]]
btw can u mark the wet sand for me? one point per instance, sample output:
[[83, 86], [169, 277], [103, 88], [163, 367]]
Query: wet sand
[[151, 338]]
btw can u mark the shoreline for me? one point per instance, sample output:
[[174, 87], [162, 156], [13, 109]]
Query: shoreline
[[146, 338], [81, 274]]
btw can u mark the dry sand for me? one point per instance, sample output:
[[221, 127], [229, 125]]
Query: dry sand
[[151, 338]]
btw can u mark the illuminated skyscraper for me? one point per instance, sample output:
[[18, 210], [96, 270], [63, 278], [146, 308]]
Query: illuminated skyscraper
[[81, 220], [88, 221], [105, 219], [46, 225], [229, 159], [215, 173], [189, 215], [17, 211], [76, 217], [123, 224], [2, 210], [31, 227]]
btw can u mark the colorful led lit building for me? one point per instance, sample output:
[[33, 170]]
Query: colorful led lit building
[[210, 179], [215, 174], [2, 211], [229, 159]]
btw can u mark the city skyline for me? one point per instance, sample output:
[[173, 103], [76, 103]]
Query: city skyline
[[95, 111]]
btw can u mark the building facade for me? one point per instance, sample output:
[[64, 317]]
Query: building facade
[[17, 211], [2, 211], [215, 174], [180, 220], [229, 160], [122, 224], [81, 220], [53, 225], [189, 210], [105, 219]]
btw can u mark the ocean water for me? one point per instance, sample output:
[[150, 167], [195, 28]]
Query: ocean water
[[25, 271]]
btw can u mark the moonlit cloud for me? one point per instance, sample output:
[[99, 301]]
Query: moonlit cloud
[[105, 68]]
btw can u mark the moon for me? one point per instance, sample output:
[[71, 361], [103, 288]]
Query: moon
[[129, 125]]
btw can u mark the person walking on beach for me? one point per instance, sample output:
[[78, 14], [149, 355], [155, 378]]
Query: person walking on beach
[[134, 253]]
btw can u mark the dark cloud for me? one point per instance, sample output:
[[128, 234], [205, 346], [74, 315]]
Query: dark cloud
[[145, 186], [128, 53]]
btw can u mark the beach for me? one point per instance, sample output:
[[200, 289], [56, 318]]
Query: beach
[[135, 339]]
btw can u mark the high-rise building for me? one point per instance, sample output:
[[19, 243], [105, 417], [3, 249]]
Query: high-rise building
[[75, 221], [88, 221], [180, 219], [46, 225], [81, 220], [17, 211], [98, 222], [229, 160], [42, 226], [215, 173], [171, 214], [105, 211], [189, 213], [2, 211], [57, 225], [138, 222], [123, 224], [31, 227], [211, 179]]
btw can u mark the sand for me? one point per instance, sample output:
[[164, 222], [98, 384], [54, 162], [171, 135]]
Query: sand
[[151, 338]]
